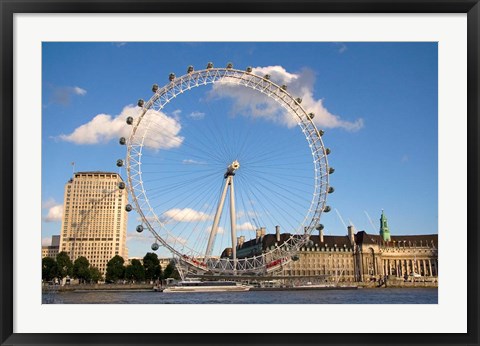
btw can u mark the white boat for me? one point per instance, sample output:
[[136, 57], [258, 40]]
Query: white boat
[[206, 286]]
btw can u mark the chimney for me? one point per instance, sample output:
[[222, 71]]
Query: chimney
[[351, 236], [277, 233], [263, 231], [305, 229], [258, 233], [321, 235]]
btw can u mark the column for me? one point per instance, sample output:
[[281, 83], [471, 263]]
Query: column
[[430, 267]]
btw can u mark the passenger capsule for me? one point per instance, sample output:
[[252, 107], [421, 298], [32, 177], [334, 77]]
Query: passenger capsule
[[139, 228], [319, 227], [128, 207], [121, 185], [122, 141], [249, 69], [295, 258], [129, 120], [229, 65], [327, 151], [155, 246], [331, 189], [331, 170], [321, 132], [171, 77], [190, 69], [154, 87], [284, 87], [120, 163], [311, 115], [209, 65], [140, 103], [327, 209], [310, 243], [267, 77], [299, 100]]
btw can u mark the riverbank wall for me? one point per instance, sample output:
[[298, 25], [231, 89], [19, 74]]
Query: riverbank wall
[[149, 287], [101, 287]]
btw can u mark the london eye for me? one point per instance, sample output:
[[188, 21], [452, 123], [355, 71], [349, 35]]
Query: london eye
[[209, 184]]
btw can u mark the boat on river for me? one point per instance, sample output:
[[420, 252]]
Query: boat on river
[[206, 286]]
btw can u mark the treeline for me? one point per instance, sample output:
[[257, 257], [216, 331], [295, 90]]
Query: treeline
[[62, 266]]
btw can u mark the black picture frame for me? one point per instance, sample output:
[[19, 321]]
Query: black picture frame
[[10, 7]]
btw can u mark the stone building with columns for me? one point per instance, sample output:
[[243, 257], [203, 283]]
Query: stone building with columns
[[407, 256], [355, 257]]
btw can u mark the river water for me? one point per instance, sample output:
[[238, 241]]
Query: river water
[[359, 296]]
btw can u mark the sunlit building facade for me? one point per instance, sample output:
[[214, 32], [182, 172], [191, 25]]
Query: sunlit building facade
[[94, 222], [52, 249], [354, 257]]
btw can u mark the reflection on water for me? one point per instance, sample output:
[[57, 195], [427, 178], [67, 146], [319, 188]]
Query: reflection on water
[[360, 296]]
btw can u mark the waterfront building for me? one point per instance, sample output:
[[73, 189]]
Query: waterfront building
[[94, 222], [354, 257], [129, 260], [52, 249], [164, 261]]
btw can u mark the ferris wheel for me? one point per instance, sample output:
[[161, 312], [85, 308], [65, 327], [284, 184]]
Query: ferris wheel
[[226, 193]]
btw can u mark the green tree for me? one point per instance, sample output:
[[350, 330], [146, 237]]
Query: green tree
[[115, 269], [171, 272], [49, 268], [81, 269], [135, 271], [64, 265], [95, 274], [151, 263]]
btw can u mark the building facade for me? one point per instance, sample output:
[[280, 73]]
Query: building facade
[[52, 249], [355, 257], [94, 222]]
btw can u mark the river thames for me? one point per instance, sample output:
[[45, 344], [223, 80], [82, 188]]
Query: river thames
[[359, 296]]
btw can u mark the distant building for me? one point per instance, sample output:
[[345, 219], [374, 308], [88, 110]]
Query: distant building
[[94, 222], [129, 260], [353, 257], [164, 261], [52, 249]]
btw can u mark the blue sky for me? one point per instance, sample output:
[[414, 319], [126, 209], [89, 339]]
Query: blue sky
[[376, 101]]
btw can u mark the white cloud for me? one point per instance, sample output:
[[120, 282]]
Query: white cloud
[[55, 213], [141, 237], [47, 241], [175, 239], [246, 226], [249, 102], [49, 203], [342, 47], [196, 115], [120, 44], [63, 95], [193, 162], [186, 215], [150, 219], [79, 91], [104, 127], [220, 229], [243, 213]]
